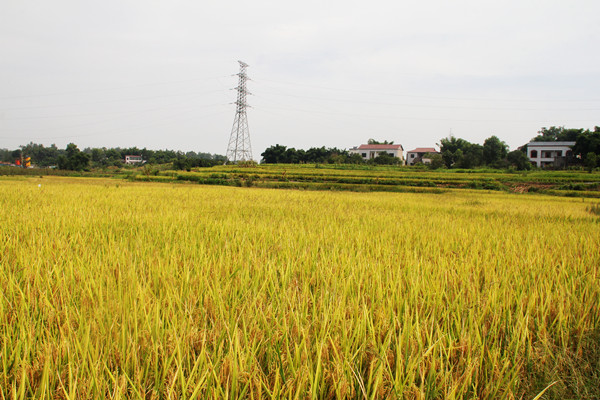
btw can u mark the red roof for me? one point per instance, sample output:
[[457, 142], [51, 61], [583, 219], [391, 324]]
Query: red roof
[[423, 150], [380, 147]]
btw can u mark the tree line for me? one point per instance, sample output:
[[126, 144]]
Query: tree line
[[72, 158], [494, 153], [460, 153], [279, 154], [454, 153]]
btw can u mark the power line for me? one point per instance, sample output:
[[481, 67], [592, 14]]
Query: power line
[[395, 116], [110, 89], [428, 105], [397, 94], [119, 131], [113, 101], [121, 113]]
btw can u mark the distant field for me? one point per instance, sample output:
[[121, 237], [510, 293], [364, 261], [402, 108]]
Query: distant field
[[391, 179], [356, 178], [121, 289]]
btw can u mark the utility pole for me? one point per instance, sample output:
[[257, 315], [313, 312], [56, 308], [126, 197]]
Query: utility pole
[[239, 148]]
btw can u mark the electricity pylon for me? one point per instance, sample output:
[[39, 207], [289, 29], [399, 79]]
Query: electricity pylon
[[239, 148]]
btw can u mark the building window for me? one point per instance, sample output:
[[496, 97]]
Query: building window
[[364, 155], [412, 156], [546, 154], [559, 153], [533, 154]]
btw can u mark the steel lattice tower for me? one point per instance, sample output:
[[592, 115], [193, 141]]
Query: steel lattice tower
[[239, 148]]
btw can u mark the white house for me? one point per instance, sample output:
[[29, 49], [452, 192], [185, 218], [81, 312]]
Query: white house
[[370, 151], [549, 153], [133, 159], [416, 155]]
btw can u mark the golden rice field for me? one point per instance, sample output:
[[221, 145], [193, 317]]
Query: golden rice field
[[114, 289]]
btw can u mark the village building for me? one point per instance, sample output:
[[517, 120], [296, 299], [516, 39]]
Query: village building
[[133, 159], [416, 156], [550, 154], [370, 151]]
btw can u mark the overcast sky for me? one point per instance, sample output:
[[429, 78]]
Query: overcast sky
[[158, 74]]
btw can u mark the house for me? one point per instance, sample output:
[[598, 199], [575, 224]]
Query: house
[[133, 159], [370, 151], [550, 154], [416, 156]]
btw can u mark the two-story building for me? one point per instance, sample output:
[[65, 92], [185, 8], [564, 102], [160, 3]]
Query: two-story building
[[550, 154], [416, 156], [370, 151]]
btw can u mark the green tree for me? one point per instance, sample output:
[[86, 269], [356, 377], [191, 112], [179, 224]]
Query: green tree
[[519, 160], [16, 155], [373, 141], [98, 157], [5, 155], [494, 150], [316, 155], [557, 134], [473, 156], [460, 153], [279, 154], [41, 156], [354, 158], [590, 161], [437, 161], [587, 142], [74, 159], [182, 163], [385, 159], [291, 156], [449, 148], [274, 154]]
